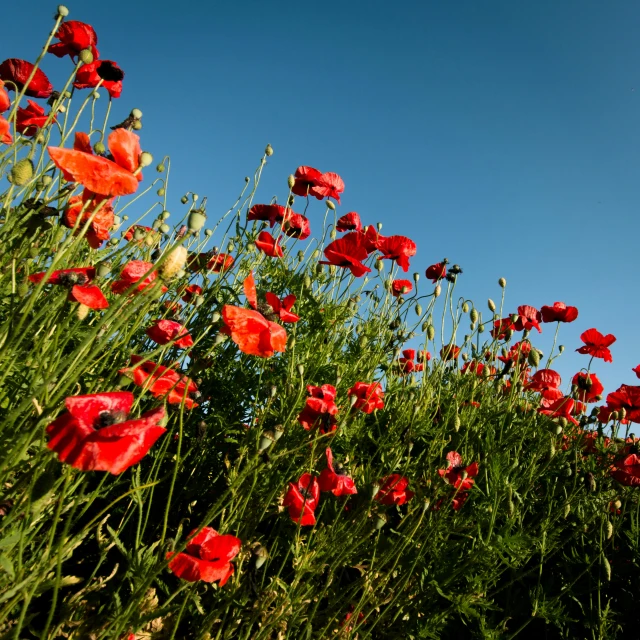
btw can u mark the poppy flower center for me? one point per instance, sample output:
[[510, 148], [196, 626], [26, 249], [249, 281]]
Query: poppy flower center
[[110, 72], [267, 311], [339, 470], [73, 278], [306, 494], [109, 418]]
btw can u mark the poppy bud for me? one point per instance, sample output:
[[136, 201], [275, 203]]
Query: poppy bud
[[437, 291], [379, 226], [174, 262], [418, 310], [86, 56], [136, 125], [502, 282], [416, 277], [301, 369], [330, 205], [219, 339], [215, 317], [268, 150], [145, 159], [196, 220], [82, 311], [609, 529], [561, 348], [22, 172], [278, 432], [431, 332], [456, 425], [160, 168], [261, 556], [473, 315], [63, 12], [99, 148], [352, 401], [508, 334], [184, 199], [607, 568], [95, 95], [307, 282], [534, 357], [161, 191], [291, 181], [266, 440], [156, 224], [23, 289], [481, 328], [104, 268], [333, 235], [511, 507], [465, 308], [380, 521], [622, 413], [567, 509]]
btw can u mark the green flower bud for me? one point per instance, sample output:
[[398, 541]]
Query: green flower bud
[[136, 113], [22, 172], [145, 159], [86, 56], [561, 348], [379, 226], [184, 199], [268, 150], [431, 332], [316, 254], [416, 277], [23, 289], [465, 308], [160, 168], [63, 12], [437, 291], [161, 191], [307, 282], [473, 316], [266, 440], [491, 304], [99, 148], [379, 265], [418, 309], [156, 224], [291, 182], [165, 228], [534, 357], [95, 95], [502, 282], [330, 205], [208, 232], [481, 328], [198, 301]]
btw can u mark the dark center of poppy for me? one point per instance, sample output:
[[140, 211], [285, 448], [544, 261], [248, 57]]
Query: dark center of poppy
[[339, 470], [72, 278], [108, 418], [306, 494], [584, 384], [109, 71]]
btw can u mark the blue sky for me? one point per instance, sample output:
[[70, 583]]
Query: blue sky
[[500, 134]]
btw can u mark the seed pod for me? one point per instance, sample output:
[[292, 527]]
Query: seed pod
[[104, 268], [196, 220], [22, 172], [219, 339], [86, 56], [380, 521], [534, 357], [609, 527], [266, 440], [63, 12]]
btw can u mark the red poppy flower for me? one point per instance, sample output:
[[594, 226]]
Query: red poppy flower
[[559, 312], [320, 409], [74, 36], [449, 352], [547, 383], [398, 248], [627, 471], [295, 225], [29, 120], [77, 280], [220, 262], [436, 271], [589, 386], [425, 356], [369, 396], [401, 287], [306, 179], [561, 408], [85, 207], [96, 435], [335, 480], [528, 318], [477, 368], [500, 328], [16, 72], [5, 100], [130, 233], [349, 222], [328, 185], [348, 251], [98, 174], [207, 557], [518, 353], [302, 499], [164, 331], [161, 381], [252, 332], [270, 213], [90, 75], [457, 475], [132, 273], [191, 292], [636, 370], [371, 238], [596, 344], [626, 397], [281, 308], [269, 245], [393, 490], [407, 364], [5, 128]]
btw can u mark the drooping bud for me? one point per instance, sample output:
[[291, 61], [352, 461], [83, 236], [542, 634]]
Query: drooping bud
[[534, 357], [561, 348], [174, 262], [99, 148], [379, 265], [609, 529], [22, 172], [416, 277], [502, 282], [184, 199], [160, 168], [465, 307], [161, 191], [330, 205]]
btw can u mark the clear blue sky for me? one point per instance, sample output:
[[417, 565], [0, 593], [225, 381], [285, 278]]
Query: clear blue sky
[[503, 135]]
